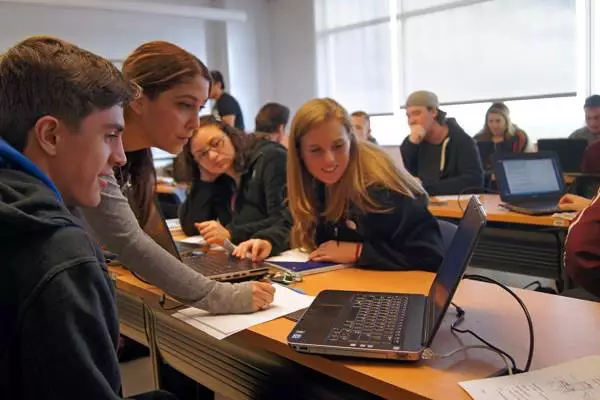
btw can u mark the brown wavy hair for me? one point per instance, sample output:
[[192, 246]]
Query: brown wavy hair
[[155, 67]]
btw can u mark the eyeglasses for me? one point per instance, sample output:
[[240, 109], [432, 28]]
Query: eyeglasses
[[215, 145]]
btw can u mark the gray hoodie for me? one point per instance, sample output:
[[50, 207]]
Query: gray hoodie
[[115, 225]]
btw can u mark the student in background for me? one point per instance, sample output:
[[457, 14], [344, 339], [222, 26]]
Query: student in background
[[438, 151], [238, 187], [350, 203], [499, 129], [582, 246], [226, 106], [174, 86], [272, 119], [61, 118], [590, 163], [362, 126], [591, 130]]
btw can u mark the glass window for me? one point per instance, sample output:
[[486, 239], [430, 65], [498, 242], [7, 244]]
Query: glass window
[[354, 68], [330, 14], [496, 49]]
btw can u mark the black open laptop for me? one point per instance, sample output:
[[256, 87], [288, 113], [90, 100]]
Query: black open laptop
[[388, 325], [530, 183], [569, 152], [217, 265]]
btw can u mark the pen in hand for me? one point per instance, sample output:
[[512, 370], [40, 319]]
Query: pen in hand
[[228, 246]]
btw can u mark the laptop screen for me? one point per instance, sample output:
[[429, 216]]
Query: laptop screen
[[455, 262], [157, 229], [531, 176]]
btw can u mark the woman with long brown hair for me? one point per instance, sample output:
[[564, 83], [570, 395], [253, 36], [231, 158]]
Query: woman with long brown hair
[[238, 186], [174, 87], [349, 202], [500, 130]]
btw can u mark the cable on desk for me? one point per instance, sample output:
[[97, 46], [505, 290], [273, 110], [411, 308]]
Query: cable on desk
[[482, 278], [537, 285], [460, 318], [471, 189], [428, 354]]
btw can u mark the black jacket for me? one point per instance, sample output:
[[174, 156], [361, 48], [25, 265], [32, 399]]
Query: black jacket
[[462, 168], [405, 238], [59, 327], [260, 208]]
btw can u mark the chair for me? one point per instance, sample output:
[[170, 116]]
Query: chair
[[448, 229]]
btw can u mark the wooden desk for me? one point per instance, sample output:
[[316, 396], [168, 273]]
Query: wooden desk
[[489, 311], [495, 213], [513, 242]]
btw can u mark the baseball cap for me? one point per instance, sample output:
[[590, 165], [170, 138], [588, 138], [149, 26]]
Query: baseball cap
[[422, 98]]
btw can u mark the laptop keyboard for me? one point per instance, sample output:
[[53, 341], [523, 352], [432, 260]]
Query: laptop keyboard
[[208, 265], [374, 320]]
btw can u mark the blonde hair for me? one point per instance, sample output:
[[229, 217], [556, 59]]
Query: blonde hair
[[368, 166]]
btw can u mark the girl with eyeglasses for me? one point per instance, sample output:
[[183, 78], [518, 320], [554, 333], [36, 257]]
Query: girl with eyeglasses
[[238, 187]]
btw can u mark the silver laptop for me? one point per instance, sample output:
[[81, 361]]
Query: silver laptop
[[388, 325], [217, 265]]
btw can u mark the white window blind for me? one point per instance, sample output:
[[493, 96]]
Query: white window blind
[[353, 53], [493, 49], [463, 50]]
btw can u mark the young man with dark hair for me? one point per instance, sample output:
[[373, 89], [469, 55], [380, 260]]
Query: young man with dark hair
[[226, 106], [61, 118], [438, 151], [362, 126], [591, 130], [272, 119]]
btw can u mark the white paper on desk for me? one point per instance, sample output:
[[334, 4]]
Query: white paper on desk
[[569, 216], [294, 255], [220, 326], [173, 224], [574, 380], [198, 239]]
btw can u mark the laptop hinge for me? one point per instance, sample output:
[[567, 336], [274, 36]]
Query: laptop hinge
[[427, 320]]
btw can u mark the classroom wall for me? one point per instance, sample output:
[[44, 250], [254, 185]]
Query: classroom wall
[[249, 57], [110, 34], [269, 57], [293, 51]]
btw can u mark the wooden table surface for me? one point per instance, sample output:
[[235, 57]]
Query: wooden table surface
[[449, 207], [565, 329]]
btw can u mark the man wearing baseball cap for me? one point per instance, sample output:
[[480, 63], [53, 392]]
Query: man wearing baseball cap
[[438, 151]]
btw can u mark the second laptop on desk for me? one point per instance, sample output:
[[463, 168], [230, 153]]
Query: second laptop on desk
[[530, 183], [215, 265], [388, 325]]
